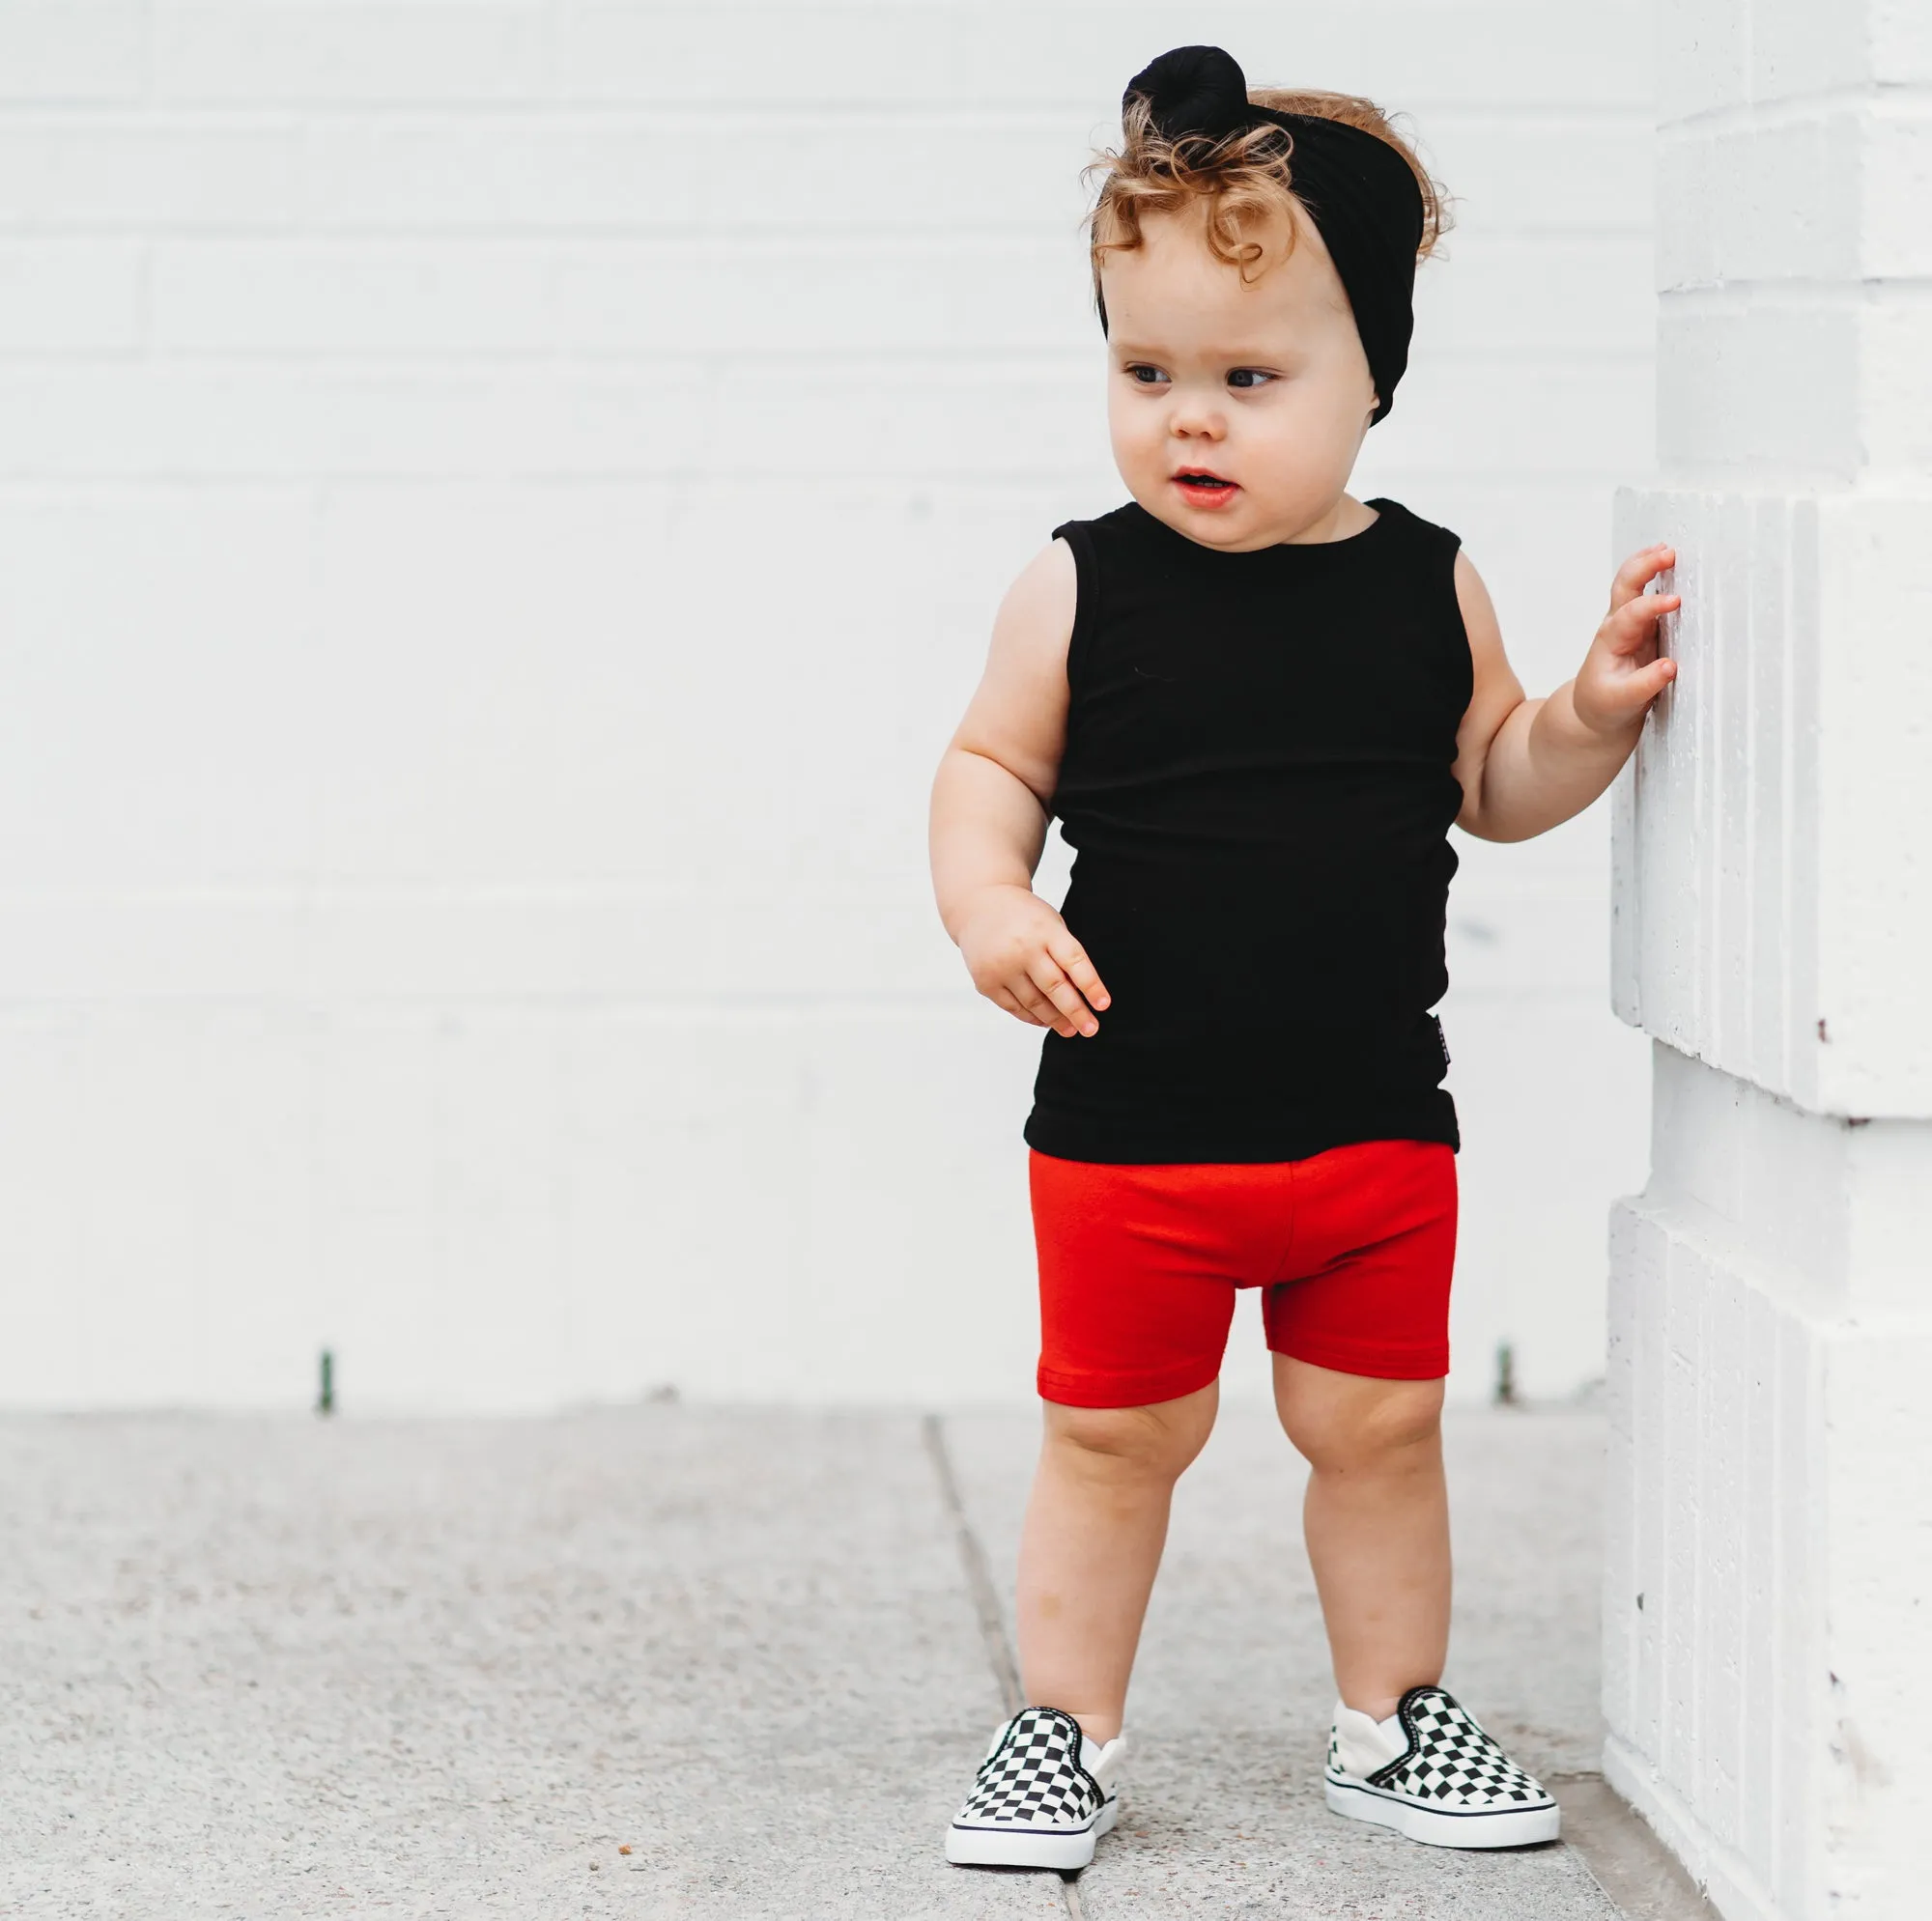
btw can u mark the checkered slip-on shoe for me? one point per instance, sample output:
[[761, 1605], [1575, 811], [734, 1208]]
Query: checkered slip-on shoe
[[1044, 1794], [1431, 1772]]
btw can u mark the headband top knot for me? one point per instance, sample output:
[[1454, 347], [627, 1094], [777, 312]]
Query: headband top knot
[[1361, 193]]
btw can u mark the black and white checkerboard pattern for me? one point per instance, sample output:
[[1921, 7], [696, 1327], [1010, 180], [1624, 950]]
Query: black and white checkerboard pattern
[[1451, 1762], [1031, 1776]]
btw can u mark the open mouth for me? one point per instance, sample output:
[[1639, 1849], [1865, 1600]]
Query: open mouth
[[1209, 488]]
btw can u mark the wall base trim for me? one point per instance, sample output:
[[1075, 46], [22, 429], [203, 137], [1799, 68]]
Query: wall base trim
[[1727, 1884]]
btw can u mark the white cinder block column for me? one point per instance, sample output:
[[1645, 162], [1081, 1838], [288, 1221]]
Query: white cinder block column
[[1769, 1589]]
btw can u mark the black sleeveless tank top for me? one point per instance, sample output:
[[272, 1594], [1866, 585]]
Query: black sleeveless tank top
[[1256, 781]]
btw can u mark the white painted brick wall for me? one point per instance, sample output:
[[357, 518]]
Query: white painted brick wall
[[1767, 1561], [1771, 1543], [500, 506]]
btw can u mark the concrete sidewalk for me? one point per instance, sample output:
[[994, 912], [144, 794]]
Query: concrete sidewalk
[[691, 1663]]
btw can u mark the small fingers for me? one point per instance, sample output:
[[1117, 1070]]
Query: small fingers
[[1032, 1004], [1631, 624], [1626, 698], [1072, 956], [1640, 570], [1002, 997], [1061, 992], [1042, 1009], [1651, 680]]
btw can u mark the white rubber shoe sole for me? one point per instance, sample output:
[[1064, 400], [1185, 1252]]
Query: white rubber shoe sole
[[1029, 1848], [1445, 1827]]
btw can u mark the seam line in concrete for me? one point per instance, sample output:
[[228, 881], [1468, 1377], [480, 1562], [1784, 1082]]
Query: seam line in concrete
[[985, 1600], [1625, 1856], [979, 1574]]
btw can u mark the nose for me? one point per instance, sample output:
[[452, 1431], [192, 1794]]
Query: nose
[[1195, 414]]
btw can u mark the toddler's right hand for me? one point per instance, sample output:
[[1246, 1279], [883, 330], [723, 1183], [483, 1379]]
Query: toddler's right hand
[[1022, 958]]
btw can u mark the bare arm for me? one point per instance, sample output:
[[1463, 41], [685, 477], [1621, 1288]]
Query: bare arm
[[1527, 765], [990, 811]]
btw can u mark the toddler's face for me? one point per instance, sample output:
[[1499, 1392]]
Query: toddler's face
[[1260, 389]]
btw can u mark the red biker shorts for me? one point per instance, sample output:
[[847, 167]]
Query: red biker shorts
[[1139, 1264]]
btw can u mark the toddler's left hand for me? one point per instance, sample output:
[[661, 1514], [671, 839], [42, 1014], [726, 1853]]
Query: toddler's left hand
[[1623, 672]]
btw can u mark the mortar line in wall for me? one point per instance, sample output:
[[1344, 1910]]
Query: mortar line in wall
[[1788, 769], [566, 107], [1749, 628], [950, 484], [1843, 294], [564, 1001], [445, 366], [1792, 110]]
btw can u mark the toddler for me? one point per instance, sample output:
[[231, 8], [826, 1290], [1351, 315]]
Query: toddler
[[1256, 704]]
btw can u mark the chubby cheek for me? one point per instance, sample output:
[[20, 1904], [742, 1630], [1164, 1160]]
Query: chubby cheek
[[1286, 462], [1139, 437]]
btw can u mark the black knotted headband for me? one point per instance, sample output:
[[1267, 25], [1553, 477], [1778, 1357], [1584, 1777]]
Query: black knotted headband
[[1361, 193]]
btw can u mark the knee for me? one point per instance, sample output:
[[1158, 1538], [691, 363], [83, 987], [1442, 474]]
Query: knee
[[1128, 1442], [1371, 1427]]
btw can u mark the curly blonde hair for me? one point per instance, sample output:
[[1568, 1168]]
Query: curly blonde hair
[[1241, 183]]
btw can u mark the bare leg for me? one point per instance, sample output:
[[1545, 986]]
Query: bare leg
[[1095, 1527], [1376, 1522]]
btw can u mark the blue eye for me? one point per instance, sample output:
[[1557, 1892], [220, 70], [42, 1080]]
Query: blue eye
[[1247, 376]]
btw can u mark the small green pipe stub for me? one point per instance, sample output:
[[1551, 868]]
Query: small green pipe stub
[[325, 1400], [1506, 1394]]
